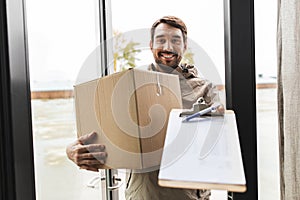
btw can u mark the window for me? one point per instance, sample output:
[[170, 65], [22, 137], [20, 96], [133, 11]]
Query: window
[[62, 37], [267, 122]]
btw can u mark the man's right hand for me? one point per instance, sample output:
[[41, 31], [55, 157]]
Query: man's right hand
[[87, 155]]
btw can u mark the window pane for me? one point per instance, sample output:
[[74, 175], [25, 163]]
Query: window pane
[[267, 125], [61, 36]]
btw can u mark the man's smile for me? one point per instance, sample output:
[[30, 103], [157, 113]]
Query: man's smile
[[168, 55]]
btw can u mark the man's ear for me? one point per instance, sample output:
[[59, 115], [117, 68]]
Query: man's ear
[[151, 45], [185, 47]]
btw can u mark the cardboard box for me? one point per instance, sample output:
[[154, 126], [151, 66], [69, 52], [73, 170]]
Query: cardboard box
[[129, 110]]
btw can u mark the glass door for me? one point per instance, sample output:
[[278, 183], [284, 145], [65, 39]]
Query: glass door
[[64, 50]]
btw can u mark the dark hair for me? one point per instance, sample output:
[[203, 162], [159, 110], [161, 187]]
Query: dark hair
[[172, 21]]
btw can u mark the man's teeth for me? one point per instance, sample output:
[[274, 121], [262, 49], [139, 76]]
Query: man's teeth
[[168, 56]]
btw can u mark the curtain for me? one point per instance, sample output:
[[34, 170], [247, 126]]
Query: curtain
[[288, 42]]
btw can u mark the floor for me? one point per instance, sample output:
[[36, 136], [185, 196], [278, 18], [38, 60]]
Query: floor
[[58, 178]]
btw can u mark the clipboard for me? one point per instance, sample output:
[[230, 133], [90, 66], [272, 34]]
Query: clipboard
[[202, 154]]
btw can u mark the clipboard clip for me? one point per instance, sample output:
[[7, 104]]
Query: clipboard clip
[[201, 108], [197, 107]]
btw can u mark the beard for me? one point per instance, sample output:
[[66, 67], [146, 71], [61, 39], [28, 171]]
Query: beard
[[167, 58]]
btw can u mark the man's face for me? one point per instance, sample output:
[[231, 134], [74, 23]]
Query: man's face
[[168, 45]]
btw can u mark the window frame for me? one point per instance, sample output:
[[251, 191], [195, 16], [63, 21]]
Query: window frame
[[240, 84], [17, 162]]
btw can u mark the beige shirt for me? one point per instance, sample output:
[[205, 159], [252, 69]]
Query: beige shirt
[[144, 186]]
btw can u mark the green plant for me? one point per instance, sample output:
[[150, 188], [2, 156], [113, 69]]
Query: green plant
[[188, 57], [124, 52]]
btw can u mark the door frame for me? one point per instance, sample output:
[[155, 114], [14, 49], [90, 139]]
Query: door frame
[[240, 84], [17, 162]]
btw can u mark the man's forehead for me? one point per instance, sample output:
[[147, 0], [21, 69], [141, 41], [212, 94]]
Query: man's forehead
[[165, 29]]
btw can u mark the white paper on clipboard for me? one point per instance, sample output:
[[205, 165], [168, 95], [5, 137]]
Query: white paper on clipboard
[[203, 153]]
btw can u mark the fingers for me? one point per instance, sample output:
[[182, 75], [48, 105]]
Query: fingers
[[88, 138], [91, 148], [86, 154], [89, 152], [221, 109], [92, 162], [78, 153], [98, 157]]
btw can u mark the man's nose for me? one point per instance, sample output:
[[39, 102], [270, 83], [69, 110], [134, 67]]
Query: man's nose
[[168, 46]]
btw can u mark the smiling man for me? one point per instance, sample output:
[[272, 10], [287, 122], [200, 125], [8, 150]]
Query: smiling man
[[168, 44]]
